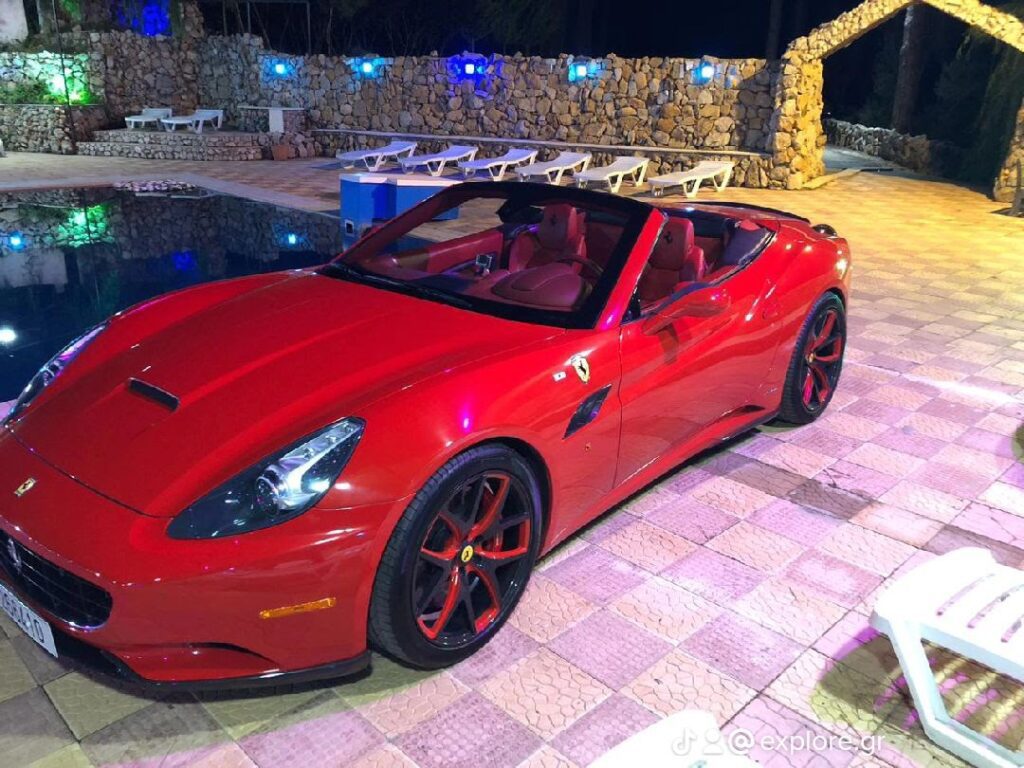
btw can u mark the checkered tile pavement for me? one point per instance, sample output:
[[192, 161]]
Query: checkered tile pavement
[[740, 584]]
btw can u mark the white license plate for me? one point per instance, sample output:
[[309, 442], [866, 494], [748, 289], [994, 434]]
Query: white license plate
[[33, 625]]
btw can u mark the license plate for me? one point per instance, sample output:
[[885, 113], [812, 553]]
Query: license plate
[[33, 625]]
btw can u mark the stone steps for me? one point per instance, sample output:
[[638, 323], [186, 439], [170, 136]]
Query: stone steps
[[170, 151], [179, 145]]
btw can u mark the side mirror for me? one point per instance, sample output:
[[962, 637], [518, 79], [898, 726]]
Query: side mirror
[[706, 302]]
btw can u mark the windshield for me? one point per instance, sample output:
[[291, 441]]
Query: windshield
[[528, 252]]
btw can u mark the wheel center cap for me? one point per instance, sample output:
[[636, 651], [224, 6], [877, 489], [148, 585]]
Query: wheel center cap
[[467, 553]]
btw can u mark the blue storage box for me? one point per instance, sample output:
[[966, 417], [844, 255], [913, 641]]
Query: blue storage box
[[407, 191], [364, 197]]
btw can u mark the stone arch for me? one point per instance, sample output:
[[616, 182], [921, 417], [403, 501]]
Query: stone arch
[[798, 139]]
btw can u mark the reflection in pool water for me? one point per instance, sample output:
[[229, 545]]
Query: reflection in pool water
[[70, 258]]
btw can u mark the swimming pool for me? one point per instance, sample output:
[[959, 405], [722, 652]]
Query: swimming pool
[[71, 257]]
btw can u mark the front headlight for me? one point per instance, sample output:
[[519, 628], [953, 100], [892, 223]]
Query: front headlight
[[52, 370], [275, 490]]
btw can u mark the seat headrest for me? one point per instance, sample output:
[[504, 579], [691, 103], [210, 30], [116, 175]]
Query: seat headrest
[[560, 226], [672, 248]]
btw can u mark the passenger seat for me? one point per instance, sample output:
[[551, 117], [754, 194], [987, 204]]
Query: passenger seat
[[675, 259]]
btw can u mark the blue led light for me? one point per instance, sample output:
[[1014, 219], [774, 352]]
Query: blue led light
[[291, 238], [367, 67], [704, 73], [16, 241], [280, 69], [581, 70], [470, 68]]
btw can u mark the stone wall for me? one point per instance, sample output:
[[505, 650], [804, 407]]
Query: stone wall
[[918, 153], [48, 128], [1006, 182], [645, 102]]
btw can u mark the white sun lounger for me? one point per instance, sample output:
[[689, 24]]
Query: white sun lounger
[[718, 172], [436, 162], [613, 175], [687, 739], [967, 603], [496, 167], [373, 159], [553, 170], [195, 121], [148, 115]]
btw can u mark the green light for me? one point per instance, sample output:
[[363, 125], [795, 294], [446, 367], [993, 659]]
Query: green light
[[68, 87], [84, 226]]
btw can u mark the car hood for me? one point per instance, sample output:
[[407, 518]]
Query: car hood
[[252, 372]]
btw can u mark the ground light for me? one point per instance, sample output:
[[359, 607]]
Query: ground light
[[7, 336], [280, 69], [291, 238], [16, 241]]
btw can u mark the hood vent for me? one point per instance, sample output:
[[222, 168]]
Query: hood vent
[[157, 395]]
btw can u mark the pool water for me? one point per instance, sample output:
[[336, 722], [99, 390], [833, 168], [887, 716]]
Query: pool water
[[70, 258]]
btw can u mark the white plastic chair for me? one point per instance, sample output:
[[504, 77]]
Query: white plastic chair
[[718, 172], [436, 162], [148, 115], [613, 174], [373, 159], [496, 167], [687, 739], [966, 602], [553, 170]]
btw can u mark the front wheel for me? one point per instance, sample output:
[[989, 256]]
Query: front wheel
[[817, 362], [458, 560]]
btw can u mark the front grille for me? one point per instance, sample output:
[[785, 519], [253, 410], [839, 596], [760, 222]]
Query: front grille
[[63, 594]]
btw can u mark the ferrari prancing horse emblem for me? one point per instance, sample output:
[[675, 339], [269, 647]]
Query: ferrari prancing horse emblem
[[582, 367], [25, 487]]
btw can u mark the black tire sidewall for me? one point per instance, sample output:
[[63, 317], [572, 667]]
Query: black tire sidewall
[[393, 625]]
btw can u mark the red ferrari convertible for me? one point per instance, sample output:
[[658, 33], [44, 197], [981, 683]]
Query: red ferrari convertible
[[258, 480]]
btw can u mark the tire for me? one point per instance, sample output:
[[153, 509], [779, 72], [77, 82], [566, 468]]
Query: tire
[[817, 362], [459, 559]]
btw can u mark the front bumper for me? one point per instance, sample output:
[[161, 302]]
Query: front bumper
[[190, 611]]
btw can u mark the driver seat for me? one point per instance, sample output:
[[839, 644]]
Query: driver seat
[[675, 259], [558, 235]]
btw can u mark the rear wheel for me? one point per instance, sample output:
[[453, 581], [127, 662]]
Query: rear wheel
[[458, 560], [817, 362]]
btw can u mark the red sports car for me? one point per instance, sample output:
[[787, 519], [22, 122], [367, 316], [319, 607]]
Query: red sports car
[[258, 480]]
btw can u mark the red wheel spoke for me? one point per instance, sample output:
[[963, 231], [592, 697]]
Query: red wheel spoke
[[808, 387], [490, 584], [492, 508], [826, 331], [821, 383], [451, 601], [503, 556]]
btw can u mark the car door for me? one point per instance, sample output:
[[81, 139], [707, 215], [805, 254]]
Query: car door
[[699, 369]]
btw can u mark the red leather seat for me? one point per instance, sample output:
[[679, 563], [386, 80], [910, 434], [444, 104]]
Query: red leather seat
[[559, 235], [675, 259]]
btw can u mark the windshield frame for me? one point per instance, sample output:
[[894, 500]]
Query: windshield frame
[[517, 195]]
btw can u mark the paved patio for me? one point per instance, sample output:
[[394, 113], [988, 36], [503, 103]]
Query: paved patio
[[741, 584]]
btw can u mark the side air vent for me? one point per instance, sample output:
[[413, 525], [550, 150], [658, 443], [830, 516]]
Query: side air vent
[[587, 412]]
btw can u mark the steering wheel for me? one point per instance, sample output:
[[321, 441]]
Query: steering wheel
[[583, 262]]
